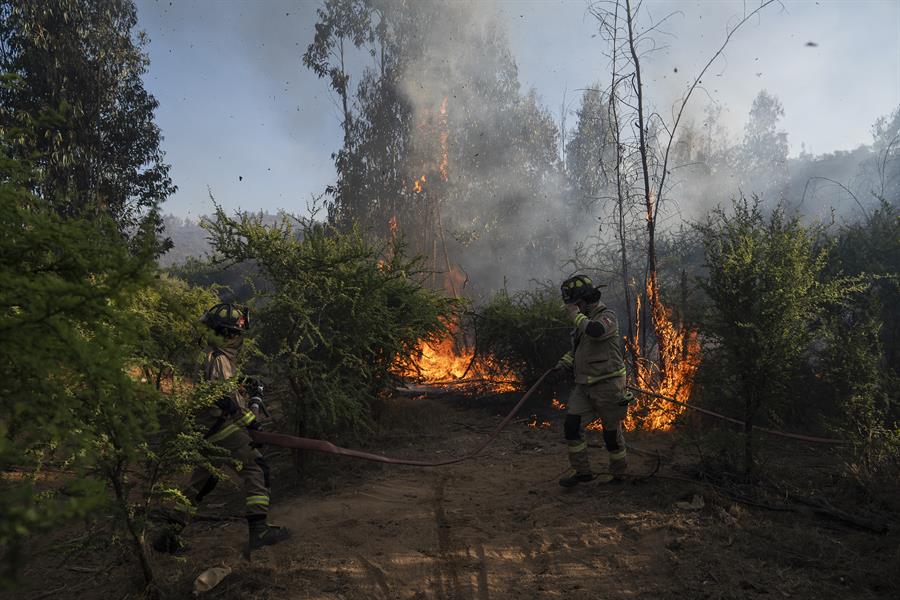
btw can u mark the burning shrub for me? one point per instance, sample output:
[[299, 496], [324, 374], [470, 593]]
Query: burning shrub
[[335, 315], [525, 333]]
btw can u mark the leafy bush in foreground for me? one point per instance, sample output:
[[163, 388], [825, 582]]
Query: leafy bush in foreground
[[80, 316], [768, 298], [336, 314]]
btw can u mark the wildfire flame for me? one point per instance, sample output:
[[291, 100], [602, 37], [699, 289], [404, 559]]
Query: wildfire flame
[[444, 167], [392, 225], [542, 424], [673, 375], [451, 363]]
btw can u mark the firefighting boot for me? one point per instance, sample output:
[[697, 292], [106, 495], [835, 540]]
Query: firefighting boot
[[615, 445], [263, 534], [166, 537], [581, 467], [168, 540]]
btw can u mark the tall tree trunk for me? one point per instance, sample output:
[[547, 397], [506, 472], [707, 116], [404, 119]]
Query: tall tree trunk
[[685, 339], [650, 283], [116, 476], [348, 119], [620, 195]]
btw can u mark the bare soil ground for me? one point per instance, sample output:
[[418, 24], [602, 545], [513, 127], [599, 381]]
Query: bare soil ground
[[497, 527]]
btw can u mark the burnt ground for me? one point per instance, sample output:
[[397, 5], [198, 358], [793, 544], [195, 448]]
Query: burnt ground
[[500, 527]]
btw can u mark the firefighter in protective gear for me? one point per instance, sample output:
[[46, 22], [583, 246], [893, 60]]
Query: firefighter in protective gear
[[226, 424], [599, 369]]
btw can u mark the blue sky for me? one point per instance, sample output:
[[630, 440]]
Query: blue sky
[[243, 119]]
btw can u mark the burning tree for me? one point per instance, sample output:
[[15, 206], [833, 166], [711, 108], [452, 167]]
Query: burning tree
[[443, 140], [643, 142], [440, 149]]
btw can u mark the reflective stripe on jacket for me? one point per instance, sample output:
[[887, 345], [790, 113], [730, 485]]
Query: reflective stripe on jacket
[[597, 358]]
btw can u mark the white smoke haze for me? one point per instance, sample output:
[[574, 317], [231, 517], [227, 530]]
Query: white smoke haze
[[504, 205], [466, 58], [508, 207]]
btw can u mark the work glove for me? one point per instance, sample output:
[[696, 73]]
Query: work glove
[[228, 405], [627, 398], [559, 371]]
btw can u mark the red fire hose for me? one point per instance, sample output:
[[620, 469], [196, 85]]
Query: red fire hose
[[793, 436], [302, 443]]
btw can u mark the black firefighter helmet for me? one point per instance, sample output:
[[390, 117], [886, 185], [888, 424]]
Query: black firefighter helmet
[[579, 287], [227, 319]]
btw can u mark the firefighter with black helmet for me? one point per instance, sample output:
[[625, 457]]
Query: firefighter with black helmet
[[225, 425], [597, 364]]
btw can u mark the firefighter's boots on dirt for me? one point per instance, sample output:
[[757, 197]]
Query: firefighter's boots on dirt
[[574, 478], [167, 538], [618, 455], [581, 468], [262, 534]]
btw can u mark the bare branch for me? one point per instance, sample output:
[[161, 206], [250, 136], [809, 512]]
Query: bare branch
[[840, 185], [730, 33]]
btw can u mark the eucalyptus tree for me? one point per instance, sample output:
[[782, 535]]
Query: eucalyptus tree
[[72, 77]]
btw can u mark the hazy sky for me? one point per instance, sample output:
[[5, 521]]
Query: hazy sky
[[243, 117]]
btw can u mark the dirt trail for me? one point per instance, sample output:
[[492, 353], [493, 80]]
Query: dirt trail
[[499, 527], [494, 528]]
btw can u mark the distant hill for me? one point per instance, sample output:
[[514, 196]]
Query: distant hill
[[189, 240]]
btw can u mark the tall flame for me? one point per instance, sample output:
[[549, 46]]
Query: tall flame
[[673, 375]]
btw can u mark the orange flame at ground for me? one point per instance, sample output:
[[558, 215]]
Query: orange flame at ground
[[559, 405], [451, 363], [542, 424]]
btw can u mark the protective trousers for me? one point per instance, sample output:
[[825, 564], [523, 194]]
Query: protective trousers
[[243, 458], [607, 401]]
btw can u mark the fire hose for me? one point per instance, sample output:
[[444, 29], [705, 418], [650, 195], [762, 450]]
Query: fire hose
[[793, 436], [301, 443]]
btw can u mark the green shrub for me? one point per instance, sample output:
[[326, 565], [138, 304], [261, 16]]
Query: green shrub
[[859, 371], [525, 333], [335, 315], [768, 298], [80, 315]]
